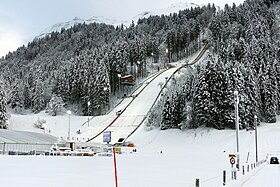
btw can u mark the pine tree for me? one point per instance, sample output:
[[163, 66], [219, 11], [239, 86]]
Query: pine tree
[[16, 99], [270, 94], [166, 122], [177, 113], [55, 105], [3, 107], [38, 101]]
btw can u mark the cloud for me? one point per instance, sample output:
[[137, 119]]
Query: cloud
[[10, 40]]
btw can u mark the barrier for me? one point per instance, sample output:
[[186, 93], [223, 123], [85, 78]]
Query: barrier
[[9, 148], [245, 175]]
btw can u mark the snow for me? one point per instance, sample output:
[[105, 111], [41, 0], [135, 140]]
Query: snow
[[163, 158], [176, 7], [55, 125], [68, 24], [268, 176], [186, 155], [135, 112], [173, 8]]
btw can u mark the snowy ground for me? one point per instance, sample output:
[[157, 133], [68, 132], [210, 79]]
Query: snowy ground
[[186, 155], [55, 125]]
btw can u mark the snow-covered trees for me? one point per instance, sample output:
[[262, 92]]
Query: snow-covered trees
[[55, 105], [40, 123], [212, 104], [243, 58], [66, 63], [3, 106]]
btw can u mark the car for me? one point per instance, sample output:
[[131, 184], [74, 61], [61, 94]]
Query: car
[[274, 160]]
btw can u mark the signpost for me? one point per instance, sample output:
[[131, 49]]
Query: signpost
[[107, 139], [107, 136], [232, 162], [115, 167]]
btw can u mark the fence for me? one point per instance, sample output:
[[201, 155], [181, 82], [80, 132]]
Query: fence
[[23, 148]]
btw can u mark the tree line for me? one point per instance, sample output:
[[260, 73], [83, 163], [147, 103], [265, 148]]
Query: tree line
[[244, 57]]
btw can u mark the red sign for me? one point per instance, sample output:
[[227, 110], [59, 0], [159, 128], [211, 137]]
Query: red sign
[[232, 160]]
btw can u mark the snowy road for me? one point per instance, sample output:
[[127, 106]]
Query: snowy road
[[267, 176]]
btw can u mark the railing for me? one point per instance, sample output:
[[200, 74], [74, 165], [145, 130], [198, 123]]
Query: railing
[[245, 172], [8, 148], [230, 178], [200, 54]]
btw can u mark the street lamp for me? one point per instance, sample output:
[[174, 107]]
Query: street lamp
[[69, 113], [88, 104], [139, 69], [105, 89], [168, 54], [119, 75]]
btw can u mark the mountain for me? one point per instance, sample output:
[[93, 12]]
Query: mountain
[[166, 11], [112, 21], [95, 19]]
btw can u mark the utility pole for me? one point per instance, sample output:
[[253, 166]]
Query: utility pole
[[256, 136], [69, 114], [236, 101]]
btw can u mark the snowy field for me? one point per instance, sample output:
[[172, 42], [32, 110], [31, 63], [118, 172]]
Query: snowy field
[[55, 125], [186, 155]]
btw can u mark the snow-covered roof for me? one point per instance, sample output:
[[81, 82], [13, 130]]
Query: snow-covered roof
[[11, 136]]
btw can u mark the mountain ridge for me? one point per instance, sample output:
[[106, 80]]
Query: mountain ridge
[[173, 8]]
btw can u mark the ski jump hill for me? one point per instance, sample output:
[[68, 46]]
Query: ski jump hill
[[133, 109]]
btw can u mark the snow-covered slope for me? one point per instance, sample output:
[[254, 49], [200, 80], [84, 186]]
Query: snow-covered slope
[[95, 19], [166, 11], [113, 21]]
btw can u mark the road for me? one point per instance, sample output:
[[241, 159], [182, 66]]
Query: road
[[267, 176]]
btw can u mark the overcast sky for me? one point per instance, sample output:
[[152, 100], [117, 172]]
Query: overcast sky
[[22, 20]]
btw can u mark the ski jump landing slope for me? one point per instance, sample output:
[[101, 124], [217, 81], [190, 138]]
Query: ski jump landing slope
[[134, 109]]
